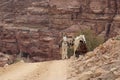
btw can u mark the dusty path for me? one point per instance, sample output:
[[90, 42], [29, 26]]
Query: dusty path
[[51, 70]]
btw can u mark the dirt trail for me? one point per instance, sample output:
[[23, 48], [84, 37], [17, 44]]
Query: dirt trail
[[51, 70]]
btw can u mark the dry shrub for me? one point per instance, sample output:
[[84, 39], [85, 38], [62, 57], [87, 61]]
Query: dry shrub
[[91, 38]]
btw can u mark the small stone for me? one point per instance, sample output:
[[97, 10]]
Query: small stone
[[113, 69], [118, 78], [108, 76], [22, 61], [99, 71], [85, 75]]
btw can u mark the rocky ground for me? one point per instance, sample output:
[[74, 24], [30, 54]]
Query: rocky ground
[[6, 59], [101, 64]]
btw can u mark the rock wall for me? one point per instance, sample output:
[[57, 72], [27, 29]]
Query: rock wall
[[101, 64], [35, 26], [40, 45]]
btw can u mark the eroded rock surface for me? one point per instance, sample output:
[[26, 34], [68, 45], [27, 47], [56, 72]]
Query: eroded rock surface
[[101, 64], [35, 26]]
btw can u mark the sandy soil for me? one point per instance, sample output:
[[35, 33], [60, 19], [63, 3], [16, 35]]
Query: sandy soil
[[51, 70]]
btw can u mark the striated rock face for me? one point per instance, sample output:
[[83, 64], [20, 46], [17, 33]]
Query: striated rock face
[[38, 44], [35, 26]]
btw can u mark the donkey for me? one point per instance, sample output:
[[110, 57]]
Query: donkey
[[77, 42]]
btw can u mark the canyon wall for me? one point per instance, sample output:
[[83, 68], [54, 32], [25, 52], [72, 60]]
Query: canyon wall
[[35, 26]]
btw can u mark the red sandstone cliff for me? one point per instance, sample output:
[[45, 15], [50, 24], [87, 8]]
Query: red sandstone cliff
[[34, 26]]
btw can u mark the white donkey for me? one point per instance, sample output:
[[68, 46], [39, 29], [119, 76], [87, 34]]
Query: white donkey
[[77, 42], [64, 48]]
